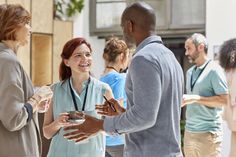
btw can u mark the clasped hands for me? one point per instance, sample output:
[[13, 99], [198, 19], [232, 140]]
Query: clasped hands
[[92, 125]]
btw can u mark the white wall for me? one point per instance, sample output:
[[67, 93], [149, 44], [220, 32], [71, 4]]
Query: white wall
[[220, 26], [220, 21], [81, 29]]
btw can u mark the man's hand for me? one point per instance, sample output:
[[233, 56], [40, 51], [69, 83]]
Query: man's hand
[[89, 128], [189, 99], [106, 108]]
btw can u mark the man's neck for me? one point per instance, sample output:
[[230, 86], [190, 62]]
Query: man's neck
[[142, 36], [201, 61]]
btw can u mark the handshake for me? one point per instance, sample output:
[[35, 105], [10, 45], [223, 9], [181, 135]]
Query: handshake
[[41, 99]]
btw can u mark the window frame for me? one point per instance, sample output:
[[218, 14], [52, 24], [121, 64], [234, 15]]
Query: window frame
[[168, 29]]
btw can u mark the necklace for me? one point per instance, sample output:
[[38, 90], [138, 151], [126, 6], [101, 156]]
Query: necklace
[[110, 67]]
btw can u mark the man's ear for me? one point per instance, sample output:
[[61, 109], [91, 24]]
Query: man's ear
[[201, 47], [130, 26]]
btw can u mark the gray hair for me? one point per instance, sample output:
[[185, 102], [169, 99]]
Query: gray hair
[[198, 39]]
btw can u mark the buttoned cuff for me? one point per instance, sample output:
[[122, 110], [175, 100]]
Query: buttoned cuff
[[109, 126]]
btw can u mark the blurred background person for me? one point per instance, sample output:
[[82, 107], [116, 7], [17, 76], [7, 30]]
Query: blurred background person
[[207, 92], [227, 60], [77, 91], [116, 55], [19, 128]]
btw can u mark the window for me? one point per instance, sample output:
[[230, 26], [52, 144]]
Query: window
[[105, 16], [161, 7], [173, 16], [187, 13]]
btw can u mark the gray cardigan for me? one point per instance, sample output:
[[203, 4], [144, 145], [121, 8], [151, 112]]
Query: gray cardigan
[[18, 137], [154, 88]]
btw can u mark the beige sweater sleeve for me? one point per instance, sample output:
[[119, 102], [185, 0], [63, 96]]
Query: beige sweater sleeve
[[13, 114]]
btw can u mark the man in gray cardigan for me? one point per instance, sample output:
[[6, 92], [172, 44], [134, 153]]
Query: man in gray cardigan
[[154, 88]]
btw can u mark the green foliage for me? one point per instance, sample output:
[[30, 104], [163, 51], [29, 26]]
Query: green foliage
[[67, 8], [182, 128], [74, 6]]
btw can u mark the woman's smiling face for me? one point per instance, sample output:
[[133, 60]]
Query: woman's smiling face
[[81, 59]]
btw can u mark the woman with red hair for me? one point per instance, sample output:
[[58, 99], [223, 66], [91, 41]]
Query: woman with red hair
[[77, 91]]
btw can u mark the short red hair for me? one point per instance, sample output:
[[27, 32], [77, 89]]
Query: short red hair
[[12, 16]]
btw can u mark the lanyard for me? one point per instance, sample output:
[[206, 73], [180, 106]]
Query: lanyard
[[73, 96], [192, 84]]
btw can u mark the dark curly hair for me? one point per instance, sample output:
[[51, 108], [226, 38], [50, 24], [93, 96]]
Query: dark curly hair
[[227, 54]]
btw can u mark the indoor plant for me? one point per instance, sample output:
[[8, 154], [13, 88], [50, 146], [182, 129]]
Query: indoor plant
[[65, 9]]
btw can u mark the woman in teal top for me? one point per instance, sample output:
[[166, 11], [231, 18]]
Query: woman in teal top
[[76, 91], [116, 56]]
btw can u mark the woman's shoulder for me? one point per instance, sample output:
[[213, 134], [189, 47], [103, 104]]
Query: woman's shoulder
[[114, 76], [9, 63], [8, 58], [99, 83], [96, 81], [59, 85]]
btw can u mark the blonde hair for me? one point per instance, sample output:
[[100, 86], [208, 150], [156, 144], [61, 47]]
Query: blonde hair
[[113, 48]]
